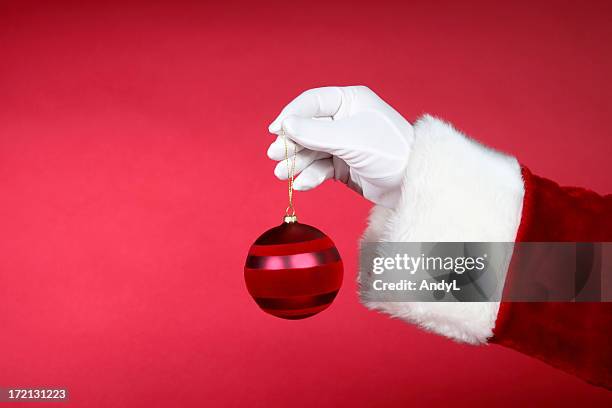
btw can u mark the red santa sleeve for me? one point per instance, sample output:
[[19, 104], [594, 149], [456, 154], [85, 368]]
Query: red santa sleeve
[[575, 337], [457, 190]]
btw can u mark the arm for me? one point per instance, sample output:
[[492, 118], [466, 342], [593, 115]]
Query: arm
[[458, 190], [431, 183], [574, 337]]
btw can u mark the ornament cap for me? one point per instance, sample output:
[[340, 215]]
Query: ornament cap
[[290, 219]]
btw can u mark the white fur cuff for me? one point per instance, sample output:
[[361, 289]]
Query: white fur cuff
[[454, 190]]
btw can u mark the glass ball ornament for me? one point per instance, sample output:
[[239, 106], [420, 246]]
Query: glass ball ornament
[[293, 271]]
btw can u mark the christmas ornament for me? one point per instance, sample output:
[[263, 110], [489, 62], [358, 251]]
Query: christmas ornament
[[293, 271]]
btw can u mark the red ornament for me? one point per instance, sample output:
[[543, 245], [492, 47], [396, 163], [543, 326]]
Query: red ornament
[[293, 271]]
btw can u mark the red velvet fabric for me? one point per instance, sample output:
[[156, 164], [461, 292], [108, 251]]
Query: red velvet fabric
[[575, 337]]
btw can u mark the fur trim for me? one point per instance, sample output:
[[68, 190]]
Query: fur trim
[[454, 190]]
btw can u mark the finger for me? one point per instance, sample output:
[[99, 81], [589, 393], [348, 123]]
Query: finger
[[302, 160], [314, 175], [276, 151], [319, 135], [317, 102]]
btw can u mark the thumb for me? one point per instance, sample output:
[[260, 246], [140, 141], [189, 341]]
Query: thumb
[[324, 136]]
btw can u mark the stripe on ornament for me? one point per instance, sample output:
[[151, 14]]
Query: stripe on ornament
[[313, 245], [303, 260], [294, 282], [296, 302]]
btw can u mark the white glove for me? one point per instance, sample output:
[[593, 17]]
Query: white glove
[[348, 133]]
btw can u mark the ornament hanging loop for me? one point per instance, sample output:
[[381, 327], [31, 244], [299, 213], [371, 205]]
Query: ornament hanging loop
[[290, 216]]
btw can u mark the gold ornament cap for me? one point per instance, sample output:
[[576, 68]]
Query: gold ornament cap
[[290, 219]]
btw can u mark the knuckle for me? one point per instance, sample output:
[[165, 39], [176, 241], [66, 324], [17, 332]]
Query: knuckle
[[362, 89], [307, 93]]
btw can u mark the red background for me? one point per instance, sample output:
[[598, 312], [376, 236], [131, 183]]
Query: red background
[[133, 179]]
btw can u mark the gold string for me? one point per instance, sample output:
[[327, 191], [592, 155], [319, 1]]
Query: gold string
[[290, 211]]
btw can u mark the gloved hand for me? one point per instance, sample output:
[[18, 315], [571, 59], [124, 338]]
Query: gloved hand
[[348, 133]]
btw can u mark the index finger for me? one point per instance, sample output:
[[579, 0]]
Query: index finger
[[313, 103]]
